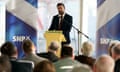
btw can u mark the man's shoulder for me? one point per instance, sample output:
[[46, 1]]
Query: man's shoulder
[[66, 14], [42, 54], [65, 61], [56, 15]]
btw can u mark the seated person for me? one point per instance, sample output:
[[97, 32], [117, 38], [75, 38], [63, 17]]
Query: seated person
[[8, 49], [86, 58], [51, 54], [29, 50], [67, 62]]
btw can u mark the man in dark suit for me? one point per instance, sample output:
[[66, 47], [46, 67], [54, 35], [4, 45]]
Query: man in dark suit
[[62, 21]]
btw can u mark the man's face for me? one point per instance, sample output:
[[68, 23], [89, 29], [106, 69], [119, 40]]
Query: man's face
[[61, 9]]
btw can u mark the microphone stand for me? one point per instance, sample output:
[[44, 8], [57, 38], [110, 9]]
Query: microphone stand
[[79, 32]]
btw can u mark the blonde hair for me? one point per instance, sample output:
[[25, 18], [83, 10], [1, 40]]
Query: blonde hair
[[87, 48]]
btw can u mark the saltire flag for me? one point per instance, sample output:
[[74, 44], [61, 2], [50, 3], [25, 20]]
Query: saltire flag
[[108, 24], [40, 25], [21, 20]]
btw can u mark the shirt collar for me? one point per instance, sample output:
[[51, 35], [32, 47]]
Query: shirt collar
[[60, 15]]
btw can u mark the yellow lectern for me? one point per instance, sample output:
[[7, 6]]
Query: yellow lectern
[[54, 36]]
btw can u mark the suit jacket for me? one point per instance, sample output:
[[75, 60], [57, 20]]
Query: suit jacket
[[85, 60], [34, 58], [50, 56], [65, 27]]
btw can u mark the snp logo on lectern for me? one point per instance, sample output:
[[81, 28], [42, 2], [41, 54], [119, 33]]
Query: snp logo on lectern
[[20, 38]]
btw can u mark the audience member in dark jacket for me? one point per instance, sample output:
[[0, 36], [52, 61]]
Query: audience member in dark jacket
[[86, 58], [51, 54]]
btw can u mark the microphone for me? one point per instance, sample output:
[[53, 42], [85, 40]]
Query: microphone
[[76, 29]]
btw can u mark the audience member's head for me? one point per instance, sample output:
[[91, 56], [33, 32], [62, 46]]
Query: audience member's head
[[5, 65], [67, 51], [28, 46], [116, 51], [87, 48], [53, 46], [82, 68], [104, 63], [117, 66], [9, 49], [111, 45], [44, 66]]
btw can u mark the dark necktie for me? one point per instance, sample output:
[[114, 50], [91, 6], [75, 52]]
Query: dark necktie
[[60, 22]]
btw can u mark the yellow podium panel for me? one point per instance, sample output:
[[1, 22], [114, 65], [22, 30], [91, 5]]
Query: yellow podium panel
[[54, 36]]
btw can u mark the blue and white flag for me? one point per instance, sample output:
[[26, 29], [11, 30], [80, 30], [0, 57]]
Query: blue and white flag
[[108, 24], [21, 20]]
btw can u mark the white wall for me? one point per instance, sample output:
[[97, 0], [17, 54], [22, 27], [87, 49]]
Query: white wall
[[2, 22]]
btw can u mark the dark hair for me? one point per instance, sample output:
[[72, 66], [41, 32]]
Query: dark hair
[[110, 48], [66, 51], [44, 66], [60, 4], [8, 49], [5, 65], [27, 45]]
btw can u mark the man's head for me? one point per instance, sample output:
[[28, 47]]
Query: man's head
[[44, 66], [28, 46], [61, 8], [104, 64], [54, 46], [9, 49], [116, 51], [67, 51], [87, 48], [111, 45]]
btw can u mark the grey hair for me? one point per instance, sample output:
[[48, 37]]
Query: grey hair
[[87, 48], [54, 45]]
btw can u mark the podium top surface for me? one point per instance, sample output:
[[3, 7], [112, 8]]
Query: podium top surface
[[53, 31]]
